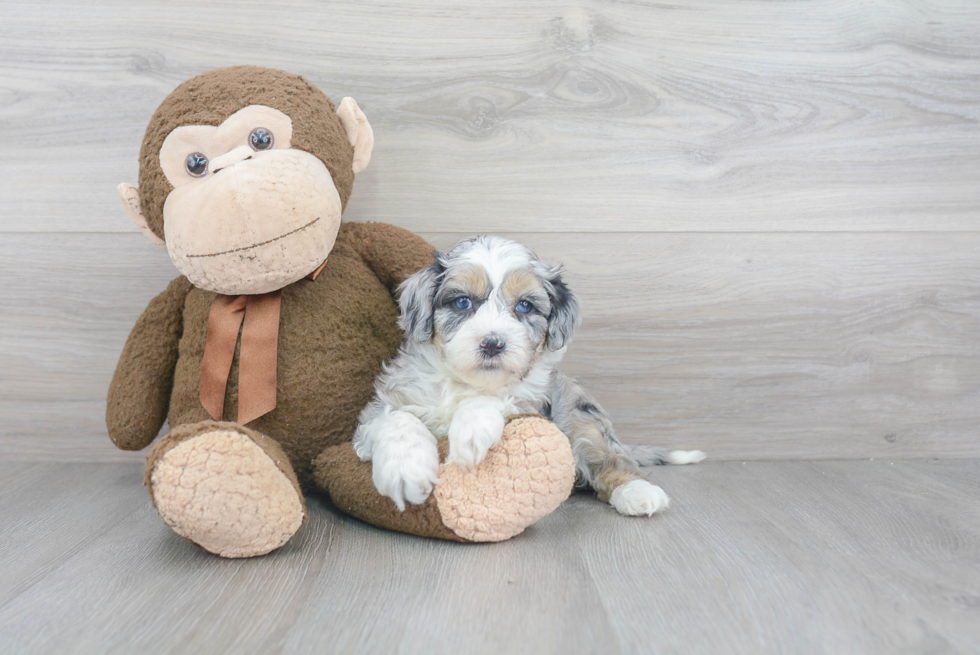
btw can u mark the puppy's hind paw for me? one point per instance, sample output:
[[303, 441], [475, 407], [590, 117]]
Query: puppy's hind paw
[[639, 498], [681, 457]]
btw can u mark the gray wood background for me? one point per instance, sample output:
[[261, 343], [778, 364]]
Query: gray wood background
[[771, 211]]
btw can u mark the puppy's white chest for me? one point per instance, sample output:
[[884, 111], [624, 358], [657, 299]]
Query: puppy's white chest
[[441, 417], [438, 417]]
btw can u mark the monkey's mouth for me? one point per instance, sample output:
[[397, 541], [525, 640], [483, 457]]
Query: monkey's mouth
[[261, 243]]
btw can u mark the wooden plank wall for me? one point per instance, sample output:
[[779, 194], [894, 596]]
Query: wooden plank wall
[[770, 210]]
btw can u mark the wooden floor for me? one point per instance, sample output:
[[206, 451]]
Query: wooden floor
[[758, 557]]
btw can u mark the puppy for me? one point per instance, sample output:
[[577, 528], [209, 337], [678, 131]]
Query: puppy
[[485, 326]]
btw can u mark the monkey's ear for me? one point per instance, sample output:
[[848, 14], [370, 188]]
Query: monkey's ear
[[130, 197], [359, 132]]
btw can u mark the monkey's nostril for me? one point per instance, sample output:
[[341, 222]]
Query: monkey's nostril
[[229, 159], [231, 163]]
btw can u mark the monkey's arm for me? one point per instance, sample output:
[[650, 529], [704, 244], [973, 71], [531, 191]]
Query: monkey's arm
[[393, 253], [139, 394]]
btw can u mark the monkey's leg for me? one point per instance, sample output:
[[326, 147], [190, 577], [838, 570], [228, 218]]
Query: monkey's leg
[[226, 488], [522, 479]]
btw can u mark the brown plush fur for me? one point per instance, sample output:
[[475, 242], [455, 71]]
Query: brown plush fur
[[211, 97], [139, 394], [334, 333], [348, 481]]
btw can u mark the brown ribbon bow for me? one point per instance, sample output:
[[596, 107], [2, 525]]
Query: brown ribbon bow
[[258, 319], [257, 369]]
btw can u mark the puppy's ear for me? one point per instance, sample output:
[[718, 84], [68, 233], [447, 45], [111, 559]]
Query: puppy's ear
[[565, 314], [416, 300]]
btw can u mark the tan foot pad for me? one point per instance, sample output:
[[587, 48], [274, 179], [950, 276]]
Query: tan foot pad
[[524, 478], [224, 493]]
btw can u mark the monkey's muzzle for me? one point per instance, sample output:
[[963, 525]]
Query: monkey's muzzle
[[255, 226]]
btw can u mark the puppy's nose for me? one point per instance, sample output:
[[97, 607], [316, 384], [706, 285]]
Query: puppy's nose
[[492, 345]]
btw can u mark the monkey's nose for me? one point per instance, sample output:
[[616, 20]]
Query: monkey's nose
[[240, 153], [492, 345]]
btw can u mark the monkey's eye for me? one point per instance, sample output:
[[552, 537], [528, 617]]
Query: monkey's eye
[[260, 139], [197, 164], [463, 303], [524, 307]]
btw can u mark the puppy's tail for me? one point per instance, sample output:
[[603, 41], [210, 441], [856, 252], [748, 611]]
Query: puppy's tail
[[654, 456]]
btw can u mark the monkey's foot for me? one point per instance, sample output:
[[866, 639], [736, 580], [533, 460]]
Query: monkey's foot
[[525, 477], [225, 488]]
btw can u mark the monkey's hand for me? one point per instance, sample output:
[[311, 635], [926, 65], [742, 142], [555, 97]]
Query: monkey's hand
[[139, 394]]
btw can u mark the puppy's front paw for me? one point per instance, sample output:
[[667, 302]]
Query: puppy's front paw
[[477, 427], [405, 465], [638, 498]]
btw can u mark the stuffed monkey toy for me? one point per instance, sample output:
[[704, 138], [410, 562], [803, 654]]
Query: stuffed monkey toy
[[264, 351]]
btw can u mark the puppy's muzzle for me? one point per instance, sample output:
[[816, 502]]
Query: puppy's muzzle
[[492, 345]]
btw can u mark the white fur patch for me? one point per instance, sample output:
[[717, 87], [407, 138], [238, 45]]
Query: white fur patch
[[497, 256], [681, 457], [476, 428], [639, 498], [405, 460]]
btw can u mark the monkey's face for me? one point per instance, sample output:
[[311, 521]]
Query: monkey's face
[[244, 172], [248, 213]]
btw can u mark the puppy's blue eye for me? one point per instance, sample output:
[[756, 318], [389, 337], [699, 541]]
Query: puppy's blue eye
[[524, 307], [463, 303]]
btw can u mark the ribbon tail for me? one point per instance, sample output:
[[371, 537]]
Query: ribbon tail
[[224, 321], [257, 367]]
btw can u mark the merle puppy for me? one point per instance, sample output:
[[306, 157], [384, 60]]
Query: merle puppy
[[485, 326]]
